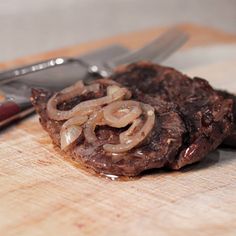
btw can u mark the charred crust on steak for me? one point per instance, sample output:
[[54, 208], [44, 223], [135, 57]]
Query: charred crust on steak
[[230, 141]]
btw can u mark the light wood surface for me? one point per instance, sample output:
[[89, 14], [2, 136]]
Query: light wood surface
[[42, 194]]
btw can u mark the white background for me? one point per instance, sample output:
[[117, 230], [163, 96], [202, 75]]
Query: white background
[[29, 26]]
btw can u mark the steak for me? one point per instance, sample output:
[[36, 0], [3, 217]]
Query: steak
[[230, 141], [173, 86], [191, 119], [207, 113]]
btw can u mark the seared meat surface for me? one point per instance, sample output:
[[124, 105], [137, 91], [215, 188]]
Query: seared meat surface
[[230, 141], [191, 119]]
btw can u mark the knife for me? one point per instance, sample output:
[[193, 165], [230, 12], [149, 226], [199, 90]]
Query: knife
[[16, 94], [100, 64]]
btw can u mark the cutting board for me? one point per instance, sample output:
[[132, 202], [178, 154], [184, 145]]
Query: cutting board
[[43, 194]]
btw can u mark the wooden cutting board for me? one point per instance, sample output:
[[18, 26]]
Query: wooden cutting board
[[42, 194]]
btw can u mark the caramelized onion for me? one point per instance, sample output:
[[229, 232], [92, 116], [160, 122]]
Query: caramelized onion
[[136, 138], [89, 128], [121, 113], [70, 130], [69, 135], [112, 89], [76, 120], [106, 82], [65, 94], [93, 88], [125, 136], [119, 94], [83, 108], [113, 109]]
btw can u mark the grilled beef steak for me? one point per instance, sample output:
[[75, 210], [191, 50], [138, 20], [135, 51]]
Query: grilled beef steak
[[191, 119], [173, 86], [206, 113], [230, 141]]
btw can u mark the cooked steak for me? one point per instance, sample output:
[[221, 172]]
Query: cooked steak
[[159, 150], [207, 115], [230, 141], [173, 86], [191, 119]]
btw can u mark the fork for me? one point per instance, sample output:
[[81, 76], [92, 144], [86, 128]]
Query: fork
[[17, 104], [158, 50]]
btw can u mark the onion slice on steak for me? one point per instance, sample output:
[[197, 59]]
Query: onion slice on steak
[[86, 107], [70, 135], [105, 82], [113, 110], [121, 113], [71, 130], [89, 128], [125, 136], [130, 141]]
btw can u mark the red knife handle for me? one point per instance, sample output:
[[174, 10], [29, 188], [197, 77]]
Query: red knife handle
[[11, 111], [8, 112]]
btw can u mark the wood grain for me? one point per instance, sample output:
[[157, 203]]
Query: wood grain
[[42, 194]]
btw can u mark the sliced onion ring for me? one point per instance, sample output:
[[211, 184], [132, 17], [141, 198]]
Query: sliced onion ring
[[89, 128], [62, 96], [83, 108], [137, 137], [130, 111], [117, 113], [125, 136], [105, 82], [119, 94], [69, 135], [71, 130], [93, 88], [76, 120]]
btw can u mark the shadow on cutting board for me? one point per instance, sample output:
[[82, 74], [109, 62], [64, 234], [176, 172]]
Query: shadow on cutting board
[[210, 160]]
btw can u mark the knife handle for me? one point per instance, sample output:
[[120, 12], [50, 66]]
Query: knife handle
[[10, 111]]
